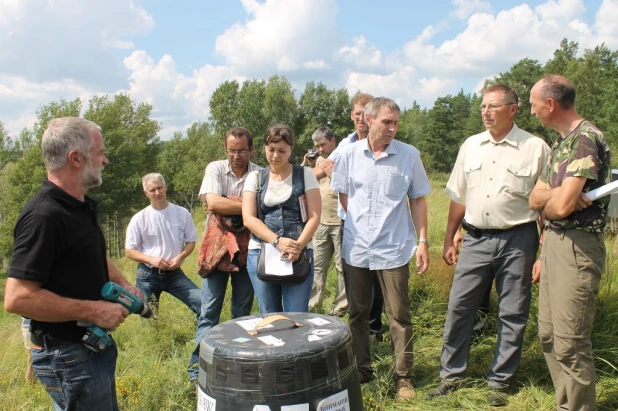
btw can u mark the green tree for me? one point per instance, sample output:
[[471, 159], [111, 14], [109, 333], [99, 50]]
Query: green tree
[[564, 58], [224, 106], [446, 130], [184, 159], [320, 106]]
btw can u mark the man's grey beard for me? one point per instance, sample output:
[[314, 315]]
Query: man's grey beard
[[90, 177]]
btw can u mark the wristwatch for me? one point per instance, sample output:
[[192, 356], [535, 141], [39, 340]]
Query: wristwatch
[[423, 240], [276, 240]]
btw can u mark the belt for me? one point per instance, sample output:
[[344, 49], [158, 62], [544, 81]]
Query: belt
[[46, 340], [477, 232], [158, 270]]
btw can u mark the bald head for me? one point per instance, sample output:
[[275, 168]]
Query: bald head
[[558, 88]]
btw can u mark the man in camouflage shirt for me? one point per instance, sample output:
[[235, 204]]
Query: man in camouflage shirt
[[573, 253]]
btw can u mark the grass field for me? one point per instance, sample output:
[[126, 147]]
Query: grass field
[[153, 355]]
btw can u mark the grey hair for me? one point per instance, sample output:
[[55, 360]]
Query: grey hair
[[64, 135], [152, 177], [374, 106], [323, 131]]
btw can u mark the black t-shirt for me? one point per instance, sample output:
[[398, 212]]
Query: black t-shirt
[[59, 244]]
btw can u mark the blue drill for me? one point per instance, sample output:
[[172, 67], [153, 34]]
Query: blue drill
[[97, 338]]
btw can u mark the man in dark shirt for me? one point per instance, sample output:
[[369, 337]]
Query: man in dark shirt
[[573, 251], [59, 266]]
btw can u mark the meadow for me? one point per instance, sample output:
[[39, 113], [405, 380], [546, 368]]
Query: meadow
[[153, 355]]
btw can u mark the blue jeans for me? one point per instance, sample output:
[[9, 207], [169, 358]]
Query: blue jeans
[[75, 377], [274, 298], [151, 283], [213, 295]]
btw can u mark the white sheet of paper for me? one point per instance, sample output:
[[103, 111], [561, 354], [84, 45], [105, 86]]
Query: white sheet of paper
[[273, 263], [318, 321], [602, 191], [295, 407], [270, 340], [249, 325]]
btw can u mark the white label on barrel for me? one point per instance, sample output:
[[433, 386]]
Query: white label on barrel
[[318, 321], [296, 407], [336, 402], [313, 338], [261, 408], [204, 402], [321, 331], [249, 325], [270, 340]]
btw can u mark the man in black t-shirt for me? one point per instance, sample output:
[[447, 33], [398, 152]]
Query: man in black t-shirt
[[59, 266]]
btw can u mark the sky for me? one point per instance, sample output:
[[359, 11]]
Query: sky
[[174, 54]]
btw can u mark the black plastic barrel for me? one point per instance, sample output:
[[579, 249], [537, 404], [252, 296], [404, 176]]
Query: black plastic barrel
[[304, 362]]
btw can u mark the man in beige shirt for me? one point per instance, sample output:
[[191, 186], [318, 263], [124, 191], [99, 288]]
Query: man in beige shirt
[[327, 238], [489, 187]]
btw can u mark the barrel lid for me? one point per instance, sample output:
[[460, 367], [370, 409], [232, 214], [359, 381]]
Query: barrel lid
[[297, 334]]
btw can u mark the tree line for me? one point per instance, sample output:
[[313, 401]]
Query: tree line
[[134, 147]]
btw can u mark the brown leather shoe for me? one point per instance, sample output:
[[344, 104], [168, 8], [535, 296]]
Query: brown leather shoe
[[405, 389]]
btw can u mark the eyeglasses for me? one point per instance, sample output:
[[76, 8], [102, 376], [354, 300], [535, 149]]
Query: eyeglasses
[[233, 152], [493, 107]]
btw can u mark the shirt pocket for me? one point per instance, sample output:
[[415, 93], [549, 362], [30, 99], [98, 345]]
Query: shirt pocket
[[472, 168], [396, 185], [517, 179]]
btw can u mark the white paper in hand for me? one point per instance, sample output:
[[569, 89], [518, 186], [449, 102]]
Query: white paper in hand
[[273, 263], [602, 191]]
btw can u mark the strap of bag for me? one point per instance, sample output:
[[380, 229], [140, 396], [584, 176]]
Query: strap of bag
[[262, 179]]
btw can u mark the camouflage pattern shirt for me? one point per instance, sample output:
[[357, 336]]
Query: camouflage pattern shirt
[[583, 153]]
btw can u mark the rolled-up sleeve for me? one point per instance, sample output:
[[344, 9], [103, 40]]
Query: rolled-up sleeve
[[457, 185], [420, 183], [339, 179]]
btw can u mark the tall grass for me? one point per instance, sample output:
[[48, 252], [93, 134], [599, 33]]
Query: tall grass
[[153, 355]]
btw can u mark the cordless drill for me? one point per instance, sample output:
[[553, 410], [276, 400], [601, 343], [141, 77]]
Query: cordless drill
[[97, 338]]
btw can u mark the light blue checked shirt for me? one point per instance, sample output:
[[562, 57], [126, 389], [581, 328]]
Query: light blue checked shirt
[[378, 230]]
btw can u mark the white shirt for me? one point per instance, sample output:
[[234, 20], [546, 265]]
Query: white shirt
[[220, 179], [494, 179], [161, 233], [279, 191]]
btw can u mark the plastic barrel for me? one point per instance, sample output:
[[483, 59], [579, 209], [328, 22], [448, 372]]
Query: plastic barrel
[[303, 362]]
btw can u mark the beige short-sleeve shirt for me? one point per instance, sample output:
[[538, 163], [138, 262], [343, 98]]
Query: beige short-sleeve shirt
[[330, 199], [494, 179]]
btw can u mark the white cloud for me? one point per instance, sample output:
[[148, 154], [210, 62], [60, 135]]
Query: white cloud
[[298, 39], [606, 27], [465, 8], [492, 43], [280, 35], [55, 40], [361, 54], [174, 96]]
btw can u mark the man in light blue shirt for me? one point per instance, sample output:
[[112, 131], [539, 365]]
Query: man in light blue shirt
[[373, 178]]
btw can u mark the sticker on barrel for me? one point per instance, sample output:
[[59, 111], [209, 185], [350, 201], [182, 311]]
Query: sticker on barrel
[[336, 402], [205, 402]]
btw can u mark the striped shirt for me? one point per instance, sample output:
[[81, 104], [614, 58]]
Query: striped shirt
[[220, 179]]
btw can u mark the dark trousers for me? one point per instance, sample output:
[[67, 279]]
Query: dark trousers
[[508, 258], [394, 282], [377, 299]]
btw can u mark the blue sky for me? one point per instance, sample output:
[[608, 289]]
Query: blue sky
[[174, 54]]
